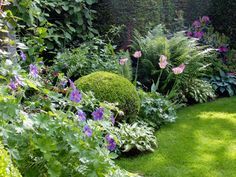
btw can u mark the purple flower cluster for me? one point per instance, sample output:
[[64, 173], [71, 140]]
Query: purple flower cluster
[[22, 55], [34, 70], [81, 115], [111, 144], [198, 28], [88, 131], [98, 114], [13, 85], [223, 49], [75, 95]]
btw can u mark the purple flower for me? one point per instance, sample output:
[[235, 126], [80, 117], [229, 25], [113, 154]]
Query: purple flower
[[34, 70], [22, 55], [196, 24], [72, 85], [13, 85], [113, 120], [205, 19], [111, 146], [88, 131], [98, 114], [18, 81], [198, 34], [223, 49], [189, 34], [81, 115], [75, 96]]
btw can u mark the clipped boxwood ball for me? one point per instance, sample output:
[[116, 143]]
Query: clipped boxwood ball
[[112, 88]]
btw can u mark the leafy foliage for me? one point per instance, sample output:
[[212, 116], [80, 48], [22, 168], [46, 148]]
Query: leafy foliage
[[50, 24], [178, 49], [137, 136], [112, 88], [42, 129], [6, 167], [224, 84], [96, 55], [196, 90], [156, 110]]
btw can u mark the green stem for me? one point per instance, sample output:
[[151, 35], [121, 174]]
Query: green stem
[[136, 73], [158, 80]]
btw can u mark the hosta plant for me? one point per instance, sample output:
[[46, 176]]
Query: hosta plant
[[224, 84], [199, 91], [137, 136]]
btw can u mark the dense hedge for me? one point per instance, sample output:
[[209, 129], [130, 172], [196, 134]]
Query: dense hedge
[[134, 14], [223, 15], [6, 167], [112, 88]]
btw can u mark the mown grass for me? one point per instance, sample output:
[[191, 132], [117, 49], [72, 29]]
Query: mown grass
[[202, 143]]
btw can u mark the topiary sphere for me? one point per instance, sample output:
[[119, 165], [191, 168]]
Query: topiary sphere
[[112, 88]]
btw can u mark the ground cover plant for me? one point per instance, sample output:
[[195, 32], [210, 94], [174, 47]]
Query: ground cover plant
[[201, 142]]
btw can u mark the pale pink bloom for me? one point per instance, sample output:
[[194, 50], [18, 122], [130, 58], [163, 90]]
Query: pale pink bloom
[[137, 54], [163, 62], [123, 61], [179, 69]]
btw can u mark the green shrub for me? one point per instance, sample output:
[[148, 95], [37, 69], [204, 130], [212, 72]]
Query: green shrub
[[112, 88], [6, 167], [156, 110]]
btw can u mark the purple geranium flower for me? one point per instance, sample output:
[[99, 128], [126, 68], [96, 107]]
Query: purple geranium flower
[[34, 70], [198, 34], [98, 114], [13, 85], [88, 131], [18, 81], [196, 24], [22, 55], [223, 49], [189, 34], [113, 120], [72, 85], [205, 19], [81, 115], [76, 96], [111, 146]]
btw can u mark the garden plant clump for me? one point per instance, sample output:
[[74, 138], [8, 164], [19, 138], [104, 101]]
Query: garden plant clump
[[78, 94]]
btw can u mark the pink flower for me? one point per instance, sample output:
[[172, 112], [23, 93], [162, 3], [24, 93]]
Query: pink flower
[[163, 62], [179, 69], [123, 61], [137, 54], [205, 19], [196, 24]]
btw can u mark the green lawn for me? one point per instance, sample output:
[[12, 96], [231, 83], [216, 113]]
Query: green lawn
[[202, 143]]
